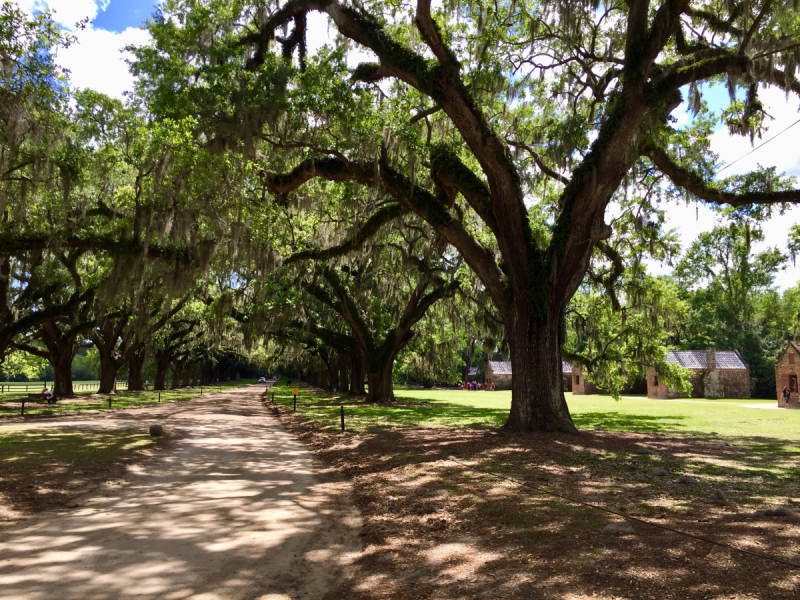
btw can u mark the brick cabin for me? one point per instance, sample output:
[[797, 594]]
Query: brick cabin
[[572, 378], [472, 374], [581, 385], [499, 373], [787, 369], [715, 374]]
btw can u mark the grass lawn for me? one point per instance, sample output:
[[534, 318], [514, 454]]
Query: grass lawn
[[45, 447], [48, 467], [456, 408], [122, 399]]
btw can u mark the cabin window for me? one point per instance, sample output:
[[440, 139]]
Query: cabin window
[[791, 357], [793, 383], [577, 380], [655, 380]]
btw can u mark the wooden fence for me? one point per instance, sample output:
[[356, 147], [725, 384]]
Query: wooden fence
[[36, 386]]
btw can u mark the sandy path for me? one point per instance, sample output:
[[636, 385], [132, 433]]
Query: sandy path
[[234, 511]]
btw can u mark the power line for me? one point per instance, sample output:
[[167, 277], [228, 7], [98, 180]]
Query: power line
[[628, 517], [757, 147]]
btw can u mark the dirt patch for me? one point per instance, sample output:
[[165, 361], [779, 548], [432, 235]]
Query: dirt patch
[[32, 481], [435, 527]]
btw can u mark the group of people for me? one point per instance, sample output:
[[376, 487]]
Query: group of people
[[474, 386]]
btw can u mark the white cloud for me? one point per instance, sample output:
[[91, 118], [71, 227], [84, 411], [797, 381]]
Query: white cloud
[[96, 61], [690, 220], [66, 12]]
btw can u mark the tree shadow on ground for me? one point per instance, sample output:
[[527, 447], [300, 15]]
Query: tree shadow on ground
[[233, 511], [437, 529]]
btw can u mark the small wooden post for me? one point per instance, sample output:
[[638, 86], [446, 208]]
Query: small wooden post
[[109, 402], [342, 417], [23, 408], [159, 396]]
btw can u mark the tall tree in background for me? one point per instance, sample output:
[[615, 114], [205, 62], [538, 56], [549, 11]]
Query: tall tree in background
[[724, 281]]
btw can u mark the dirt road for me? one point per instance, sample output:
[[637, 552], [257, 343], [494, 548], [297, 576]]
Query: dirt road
[[236, 510]]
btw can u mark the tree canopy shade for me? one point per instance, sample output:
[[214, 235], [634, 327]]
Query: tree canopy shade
[[471, 112]]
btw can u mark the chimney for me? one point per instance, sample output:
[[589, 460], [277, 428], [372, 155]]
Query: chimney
[[711, 359]]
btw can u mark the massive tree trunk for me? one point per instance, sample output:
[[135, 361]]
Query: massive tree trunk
[[177, 370], [108, 372], [108, 377], [344, 376], [162, 370], [380, 366], [537, 397], [357, 373], [62, 369], [61, 350], [380, 384], [136, 364]]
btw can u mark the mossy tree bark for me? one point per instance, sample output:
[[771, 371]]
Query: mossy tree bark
[[135, 374], [531, 282], [177, 371], [62, 346], [378, 354], [357, 374]]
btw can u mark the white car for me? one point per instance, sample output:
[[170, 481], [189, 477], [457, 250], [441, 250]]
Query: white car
[[262, 380]]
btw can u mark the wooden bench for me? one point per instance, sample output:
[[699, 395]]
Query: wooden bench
[[37, 398]]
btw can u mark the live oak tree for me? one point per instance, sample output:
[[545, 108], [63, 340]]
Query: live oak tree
[[72, 282], [464, 111]]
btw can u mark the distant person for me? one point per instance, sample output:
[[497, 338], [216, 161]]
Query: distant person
[[47, 394], [786, 396], [146, 383], [493, 386]]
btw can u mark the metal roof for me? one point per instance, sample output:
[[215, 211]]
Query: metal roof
[[698, 359], [500, 367], [473, 370], [504, 367]]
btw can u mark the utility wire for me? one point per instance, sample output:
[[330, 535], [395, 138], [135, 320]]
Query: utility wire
[[624, 516], [757, 147]]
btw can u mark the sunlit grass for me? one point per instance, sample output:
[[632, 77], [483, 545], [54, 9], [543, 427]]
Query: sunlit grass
[[458, 408], [122, 399], [46, 446]]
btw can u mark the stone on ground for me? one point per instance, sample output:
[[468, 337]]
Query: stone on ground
[[686, 480], [782, 511], [156, 430], [647, 452], [622, 528]]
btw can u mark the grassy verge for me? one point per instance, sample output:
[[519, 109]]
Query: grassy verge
[[122, 399], [46, 447], [48, 467], [721, 419]]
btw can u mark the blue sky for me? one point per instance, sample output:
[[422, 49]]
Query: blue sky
[[119, 15]]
